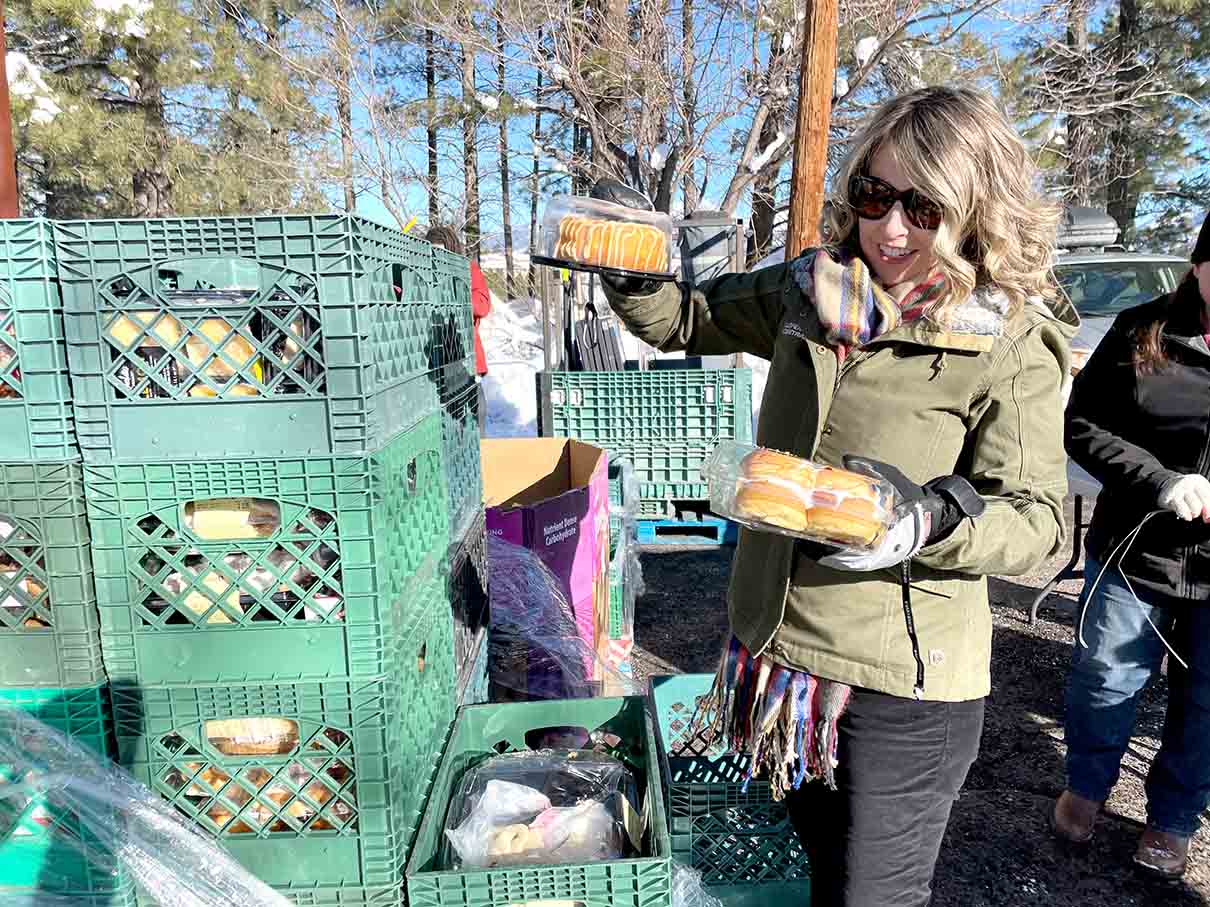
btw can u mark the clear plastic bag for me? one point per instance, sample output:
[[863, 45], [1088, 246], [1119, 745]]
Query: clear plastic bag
[[776, 492], [541, 807], [688, 890], [114, 823], [615, 647], [535, 648]]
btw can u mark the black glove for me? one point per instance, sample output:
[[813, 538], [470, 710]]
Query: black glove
[[617, 192], [948, 500]]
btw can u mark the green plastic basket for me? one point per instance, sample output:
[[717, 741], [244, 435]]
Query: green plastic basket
[[36, 420], [48, 613], [473, 680], [332, 807], [485, 730], [279, 334], [467, 588], [460, 444], [345, 896], [732, 836], [323, 595], [42, 842]]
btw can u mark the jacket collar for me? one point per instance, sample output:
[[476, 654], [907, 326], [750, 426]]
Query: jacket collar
[[1185, 319]]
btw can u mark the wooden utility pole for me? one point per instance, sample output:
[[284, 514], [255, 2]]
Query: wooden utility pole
[[9, 206], [815, 86]]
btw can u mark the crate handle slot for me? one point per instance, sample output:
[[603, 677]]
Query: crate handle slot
[[231, 519], [413, 476], [259, 736], [10, 362]]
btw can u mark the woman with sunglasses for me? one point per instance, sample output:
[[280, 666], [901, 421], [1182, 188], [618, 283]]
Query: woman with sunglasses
[[929, 345]]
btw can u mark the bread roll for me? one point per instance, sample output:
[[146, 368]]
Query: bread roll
[[774, 504], [607, 243], [851, 521]]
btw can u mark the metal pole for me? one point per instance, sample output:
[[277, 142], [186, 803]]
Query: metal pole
[[9, 205], [816, 81]]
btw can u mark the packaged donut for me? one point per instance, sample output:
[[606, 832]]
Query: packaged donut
[[587, 234], [775, 492]]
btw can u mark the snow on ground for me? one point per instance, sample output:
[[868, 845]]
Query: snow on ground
[[512, 341]]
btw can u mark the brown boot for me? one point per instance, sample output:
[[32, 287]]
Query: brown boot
[[1162, 853], [1074, 818]]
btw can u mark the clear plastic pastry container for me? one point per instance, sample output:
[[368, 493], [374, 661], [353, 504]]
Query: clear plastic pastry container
[[586, 234], [775, 492]]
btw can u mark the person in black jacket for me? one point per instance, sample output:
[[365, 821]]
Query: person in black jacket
[[1139, 421]]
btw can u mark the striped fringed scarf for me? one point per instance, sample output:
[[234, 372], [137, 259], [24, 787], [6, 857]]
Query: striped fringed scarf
[[784, 721], [852, 308]]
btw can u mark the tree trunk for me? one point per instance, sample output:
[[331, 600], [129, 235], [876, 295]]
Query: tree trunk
[[506, 200], [689, 191], [430, 85], [470, 153], [150, 183], [1080, 129], [344, 109], [1123, 192], [533, 197]]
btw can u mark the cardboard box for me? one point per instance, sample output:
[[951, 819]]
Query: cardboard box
[[551, 495]]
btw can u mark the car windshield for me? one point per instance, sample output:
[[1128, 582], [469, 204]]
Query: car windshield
[[1106, 288]]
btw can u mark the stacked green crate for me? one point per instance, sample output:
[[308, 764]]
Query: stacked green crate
[[45, 846], [267, 485], [453, 358], [467, 583], [256, 336], [741, 840], [665, 421], [620, 727]]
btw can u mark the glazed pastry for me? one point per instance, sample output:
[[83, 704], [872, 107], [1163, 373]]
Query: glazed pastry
[[253, 736], [600, 242]]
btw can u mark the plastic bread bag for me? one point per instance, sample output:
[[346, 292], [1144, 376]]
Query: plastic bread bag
[[688, 889], [590, 234], [100, 819], [536, 651], [775, 492], [542, 807]]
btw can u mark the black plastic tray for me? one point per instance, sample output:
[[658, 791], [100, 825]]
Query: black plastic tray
[[593, 269]]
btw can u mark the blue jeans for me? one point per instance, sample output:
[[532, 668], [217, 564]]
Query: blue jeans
[[1103, 688]]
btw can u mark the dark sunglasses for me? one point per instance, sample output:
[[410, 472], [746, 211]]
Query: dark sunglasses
[[873, 199]]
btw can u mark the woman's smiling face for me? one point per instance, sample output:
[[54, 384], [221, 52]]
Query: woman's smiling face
[[896, 250]]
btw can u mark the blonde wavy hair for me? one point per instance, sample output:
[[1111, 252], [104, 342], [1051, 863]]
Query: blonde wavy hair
[[957, 147]]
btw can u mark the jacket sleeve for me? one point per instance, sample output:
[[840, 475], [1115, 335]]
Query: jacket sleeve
[[481, 297], [1014, 457], [1101, 402], [734, 313]]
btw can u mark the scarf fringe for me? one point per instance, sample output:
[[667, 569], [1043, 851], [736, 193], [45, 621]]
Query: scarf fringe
[[784, 722]]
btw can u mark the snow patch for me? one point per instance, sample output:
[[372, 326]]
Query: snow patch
[[559, 71], [757, 163], [658, 155], [866, 48], [842, 87], [122, 17], [487, 101], [25, 81], [525, 103], [787, 40]]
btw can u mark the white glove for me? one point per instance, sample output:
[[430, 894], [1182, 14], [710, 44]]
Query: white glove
[[1187, 496], [906, 536]]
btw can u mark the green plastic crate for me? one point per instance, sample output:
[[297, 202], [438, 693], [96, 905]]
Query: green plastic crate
[[453, 275], [732, 836], [347, 896], [40, 841], [485, 730], [324, 595], [607, 408], [466, 573], [279, 334], [473, 680], [48, 612], [460, 444], [36, 420], [331, 809]]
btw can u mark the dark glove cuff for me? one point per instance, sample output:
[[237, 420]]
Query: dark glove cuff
[[953, 499]]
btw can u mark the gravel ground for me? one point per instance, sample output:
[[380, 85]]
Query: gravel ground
[[998, 850]]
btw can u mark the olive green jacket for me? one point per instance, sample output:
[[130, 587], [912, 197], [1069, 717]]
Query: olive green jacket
[[981, 399]]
